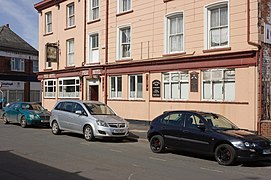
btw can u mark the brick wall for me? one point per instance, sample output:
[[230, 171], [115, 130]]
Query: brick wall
[[265, 126]]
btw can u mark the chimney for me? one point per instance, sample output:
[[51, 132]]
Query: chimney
[[7, 25]]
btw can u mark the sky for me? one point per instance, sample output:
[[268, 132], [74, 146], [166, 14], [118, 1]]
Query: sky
[[22, 18]]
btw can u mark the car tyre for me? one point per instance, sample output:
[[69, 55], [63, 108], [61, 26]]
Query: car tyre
[[225, 154], [23, 122], [88, 133], [157, 144], [5, 119], [55, 128]]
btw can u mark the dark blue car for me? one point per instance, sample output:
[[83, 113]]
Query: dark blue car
[[206, 133], [26, 113]]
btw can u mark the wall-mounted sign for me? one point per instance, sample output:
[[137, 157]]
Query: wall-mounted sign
[[156, 88], [52, 52], [194, 81], [267, 33]]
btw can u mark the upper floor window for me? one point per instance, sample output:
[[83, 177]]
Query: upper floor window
[[48, 22], [176, 85], [70, 52], [93, 48], [219, 84], [135, 86], [93, 9], [174, 33], [124, 42], [69, 87], [124, 5], [49, 88], [17, 64], [70, 15], [218, 26], [35, 66], [115, 87]]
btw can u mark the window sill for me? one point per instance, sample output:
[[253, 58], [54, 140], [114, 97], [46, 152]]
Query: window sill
[[48, 34], [48, 69], [49, 97], [70, 67], [124, 60], [126, 12], [216, 50], [90, 64], [71, 27], [93, 21], [174, 54], [167, 0]]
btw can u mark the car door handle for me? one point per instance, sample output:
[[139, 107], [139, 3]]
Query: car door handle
[[185, 131]]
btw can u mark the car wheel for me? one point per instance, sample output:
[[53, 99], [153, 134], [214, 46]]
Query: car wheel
[[5, 119], [55, 128], [225, 154], [23, 122], [88, 133], [157, 144]]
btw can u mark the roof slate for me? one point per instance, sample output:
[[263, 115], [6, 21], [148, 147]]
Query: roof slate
[[10, 41]]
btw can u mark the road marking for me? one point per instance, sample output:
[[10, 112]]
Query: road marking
[[130, 176], [214, 170], [138, 130], [115, 150], [158, 159]]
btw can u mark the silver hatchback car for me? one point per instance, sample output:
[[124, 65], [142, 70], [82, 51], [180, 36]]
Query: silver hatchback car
[[90, 118]]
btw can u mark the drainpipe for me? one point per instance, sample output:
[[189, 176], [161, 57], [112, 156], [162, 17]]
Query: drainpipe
[[106, 51], [258, 63], [84, 62]]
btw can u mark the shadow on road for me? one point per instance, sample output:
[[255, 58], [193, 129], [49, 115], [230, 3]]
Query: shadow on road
[[129, 139], [14, 167]]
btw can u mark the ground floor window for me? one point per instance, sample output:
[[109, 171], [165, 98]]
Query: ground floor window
[[69, 87], [176, 85], [16, 95], [115, 87], [49, 88], [219, 84], [35, 96], [135, 86]]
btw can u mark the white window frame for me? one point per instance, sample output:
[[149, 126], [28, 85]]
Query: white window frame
[[181, 81], [19, 62], [211, 79], [116, 92], [70, 15], [93, 50], [62, 89], [93, 9], [48, 22], [121, 6], [51, 85], [135, 95], [207, 29], [120, 44], [70, 52], [168, 35]]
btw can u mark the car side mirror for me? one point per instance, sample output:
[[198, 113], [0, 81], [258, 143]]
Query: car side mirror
[[201, 127], [78, 112]]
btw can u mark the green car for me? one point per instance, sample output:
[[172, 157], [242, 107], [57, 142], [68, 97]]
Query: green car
[[26, 114]]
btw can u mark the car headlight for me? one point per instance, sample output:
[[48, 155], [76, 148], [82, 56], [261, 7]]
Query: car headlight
[[249, 145], [101, 123], [32, 116]]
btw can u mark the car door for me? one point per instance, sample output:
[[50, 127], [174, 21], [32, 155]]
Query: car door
[[78, 120], [64, 115], [195, 135], [13, 112], [171, 128]]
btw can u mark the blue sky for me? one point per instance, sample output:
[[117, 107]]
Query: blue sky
[[22, 18]]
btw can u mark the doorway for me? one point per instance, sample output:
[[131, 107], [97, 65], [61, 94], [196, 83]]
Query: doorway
[[93, 90]]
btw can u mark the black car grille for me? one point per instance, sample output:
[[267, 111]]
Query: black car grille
[[264, 144], [117, 125], [45, 117], [118, 133]]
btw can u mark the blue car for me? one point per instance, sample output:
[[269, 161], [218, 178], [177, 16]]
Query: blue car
[[26, 114]]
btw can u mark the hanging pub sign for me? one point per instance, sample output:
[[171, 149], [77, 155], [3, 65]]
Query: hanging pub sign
[[52, 52], [194, 81], [156, 88]]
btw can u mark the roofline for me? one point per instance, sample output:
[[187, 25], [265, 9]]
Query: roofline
[[46, 4]]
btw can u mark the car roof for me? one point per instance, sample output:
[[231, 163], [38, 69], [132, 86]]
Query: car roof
[[80, 101], [191, 111]]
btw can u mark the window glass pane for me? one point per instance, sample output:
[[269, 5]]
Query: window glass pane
[[166, 77], [215, 38], [166, 91], [184, 90], [229, 91], [217, 75], [139, 87], [175, 91], [173, 26], [175, 76], [224, 36], [217, 91], [224, 16], [215, 17], [207, 90]]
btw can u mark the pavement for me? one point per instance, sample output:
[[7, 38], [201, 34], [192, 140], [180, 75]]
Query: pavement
[[138, 129]]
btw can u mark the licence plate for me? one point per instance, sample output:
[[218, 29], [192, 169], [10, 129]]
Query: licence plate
[[267, 151], [45, 121], [118, 130]]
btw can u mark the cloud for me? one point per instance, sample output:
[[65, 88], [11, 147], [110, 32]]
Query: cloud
[[24, 17]]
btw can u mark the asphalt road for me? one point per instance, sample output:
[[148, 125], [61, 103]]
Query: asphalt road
[[35, 153]]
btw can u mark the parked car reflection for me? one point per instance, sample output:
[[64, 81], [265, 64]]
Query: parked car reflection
[[207, 133], [26, 114]]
